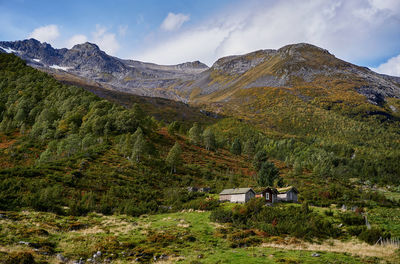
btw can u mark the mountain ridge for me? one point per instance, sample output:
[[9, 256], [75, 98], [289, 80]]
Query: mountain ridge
[[290, 67], [88, 61]]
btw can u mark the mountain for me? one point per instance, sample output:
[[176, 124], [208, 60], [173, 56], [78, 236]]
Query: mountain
[[294, 90], [296, 69], [293, 66], [267, 86], [88, 61]]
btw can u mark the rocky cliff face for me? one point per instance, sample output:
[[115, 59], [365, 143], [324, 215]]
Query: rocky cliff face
[[34, 51], [292, 66]]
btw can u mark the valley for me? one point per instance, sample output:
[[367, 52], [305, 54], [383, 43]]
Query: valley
[[99, 155]]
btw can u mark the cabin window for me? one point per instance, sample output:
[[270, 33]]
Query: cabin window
[[266, 196]]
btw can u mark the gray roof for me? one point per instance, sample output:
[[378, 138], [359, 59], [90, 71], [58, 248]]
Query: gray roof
[[236, 191]]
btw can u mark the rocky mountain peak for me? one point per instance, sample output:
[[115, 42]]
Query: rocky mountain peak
[[34, 51], [193, 64], [239, 64], [87, 46], [302, 48]]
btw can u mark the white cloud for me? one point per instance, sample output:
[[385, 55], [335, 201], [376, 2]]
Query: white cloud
[[174, 21], [105, 40], [76, 39], [46, 33], [189, 46], [357, 31], [391, 67]]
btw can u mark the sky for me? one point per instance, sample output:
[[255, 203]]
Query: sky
[[363, 32]]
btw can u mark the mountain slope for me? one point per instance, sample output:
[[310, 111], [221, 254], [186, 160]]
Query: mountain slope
[[234, 85], [292, 66], [88, 61], [63, 146]]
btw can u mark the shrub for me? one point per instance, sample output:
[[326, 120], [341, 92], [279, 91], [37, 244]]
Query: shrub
[[201, 204], [371, 236], [351, 219], [355, 230], [328, 213], [20, 258], [290, 220], [221, 215], [244, 238], [48, 200]]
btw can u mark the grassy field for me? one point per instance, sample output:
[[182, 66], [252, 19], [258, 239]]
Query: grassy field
[[184, 237]]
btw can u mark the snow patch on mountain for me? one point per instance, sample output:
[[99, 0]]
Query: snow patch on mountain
[[8, 50], [57, 67]]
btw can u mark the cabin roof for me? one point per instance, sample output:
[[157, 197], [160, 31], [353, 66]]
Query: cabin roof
[[287, 189], [236, 191]]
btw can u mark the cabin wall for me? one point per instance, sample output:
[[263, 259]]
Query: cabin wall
[[282, 197], [294, 197], [225, 197], [248, 196], [274, 198], [290, 196], [238, 198]]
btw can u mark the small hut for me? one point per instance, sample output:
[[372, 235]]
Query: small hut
[[288, 194], [270, 195], [237, 195]]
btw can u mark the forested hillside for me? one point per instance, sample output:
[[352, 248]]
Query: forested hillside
[[63, 146], [62, 141]]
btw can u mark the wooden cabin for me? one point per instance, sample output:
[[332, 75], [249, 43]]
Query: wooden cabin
[[288, 194], [270, 195], [237, 195]]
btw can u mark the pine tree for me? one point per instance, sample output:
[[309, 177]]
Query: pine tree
[[267, 174], [139, 146], [173, 127], [174, 157], [209, 139], [259, 159], [138, 132], [20, 116], [249, 147], [127, 145], [107, 128], [236, 147], [46, 155], [121, 143], [138, 112], [88, 141], [23, 129], [195, 134]]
